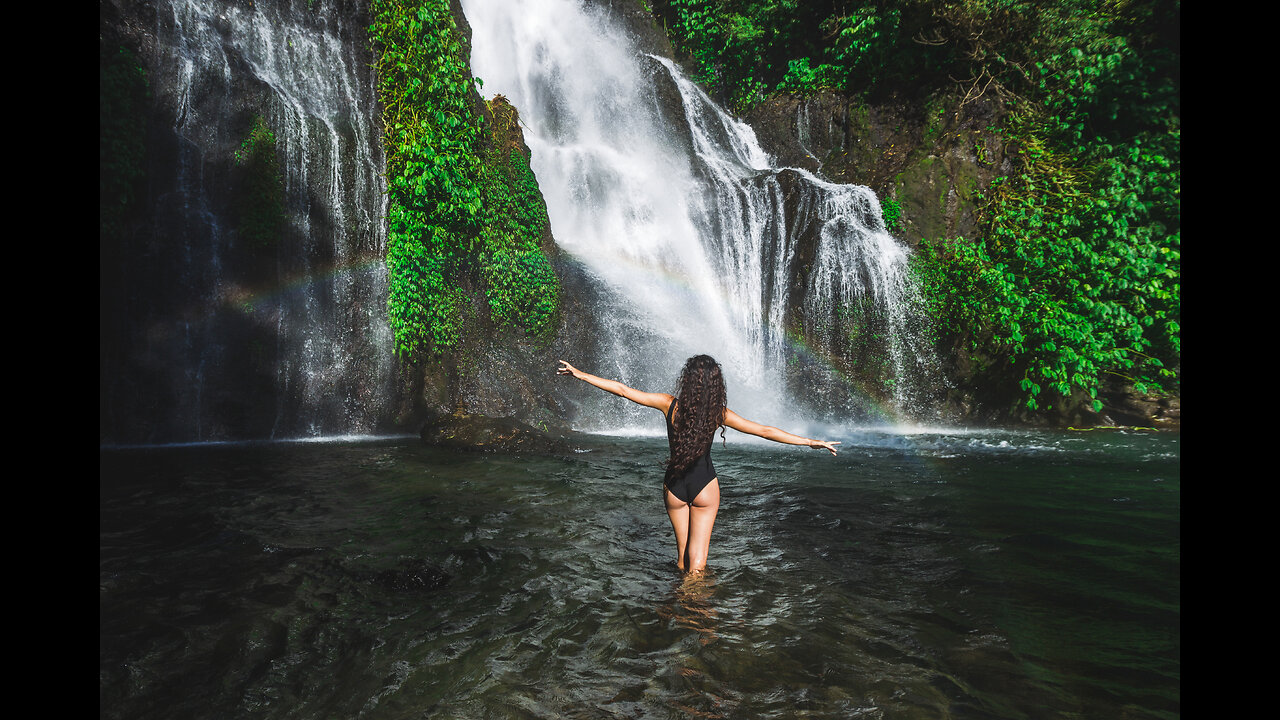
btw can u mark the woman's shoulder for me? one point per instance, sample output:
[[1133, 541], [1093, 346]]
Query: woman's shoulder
[[657, 401]]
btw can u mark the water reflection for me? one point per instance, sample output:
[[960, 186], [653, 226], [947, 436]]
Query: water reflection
[[692, 605]]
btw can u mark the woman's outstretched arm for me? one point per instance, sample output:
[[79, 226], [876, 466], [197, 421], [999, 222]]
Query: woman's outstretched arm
[[659, 401], [741, 424]]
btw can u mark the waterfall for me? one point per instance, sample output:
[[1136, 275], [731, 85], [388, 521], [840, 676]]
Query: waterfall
[[705, 245], [228, 341], [701, 243]]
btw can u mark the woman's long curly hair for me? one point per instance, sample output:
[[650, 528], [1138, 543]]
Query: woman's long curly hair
[[699, 410]]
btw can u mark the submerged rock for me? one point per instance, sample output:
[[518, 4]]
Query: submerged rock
[[486, 434], [414, 576]]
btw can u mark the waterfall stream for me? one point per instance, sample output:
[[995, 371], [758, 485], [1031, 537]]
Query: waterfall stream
[[706, 245]]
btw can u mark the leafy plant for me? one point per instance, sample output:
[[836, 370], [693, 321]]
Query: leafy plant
[[891, 212], [458, 218], [520, 285], [1079, 275]]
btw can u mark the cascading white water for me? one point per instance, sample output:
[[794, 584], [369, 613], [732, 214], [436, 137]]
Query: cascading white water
[[683, 218], [292, 64]]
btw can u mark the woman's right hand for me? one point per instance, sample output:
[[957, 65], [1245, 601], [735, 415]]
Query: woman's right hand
[[816, 444], [566, 369]]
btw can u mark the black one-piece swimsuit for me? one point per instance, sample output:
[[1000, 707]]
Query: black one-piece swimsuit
[[700, 474]]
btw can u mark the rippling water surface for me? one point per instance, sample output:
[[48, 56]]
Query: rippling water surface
[[931, 575]]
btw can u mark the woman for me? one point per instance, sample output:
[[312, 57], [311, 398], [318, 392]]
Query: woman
[[691, 488]]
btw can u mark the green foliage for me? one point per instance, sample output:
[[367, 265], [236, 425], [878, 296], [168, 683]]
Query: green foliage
[[122, 102], [732, 45], [520, 285], [259, 196], [457, 217], [862, 43], [891, 212], [424, 305], [1079, 275], [744, 49], [433, 170], [1093, 54], [800, 78]]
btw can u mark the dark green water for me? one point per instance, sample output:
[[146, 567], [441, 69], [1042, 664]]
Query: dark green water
[[961, 575]]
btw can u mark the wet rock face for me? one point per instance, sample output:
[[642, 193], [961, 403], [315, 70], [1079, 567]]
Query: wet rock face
[[930, 158], [240, 294], [641, 23], [462, 431], [801, 131]]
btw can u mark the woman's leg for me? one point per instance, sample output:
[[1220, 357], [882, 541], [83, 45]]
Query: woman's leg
[[678, 511], [702, 516]]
